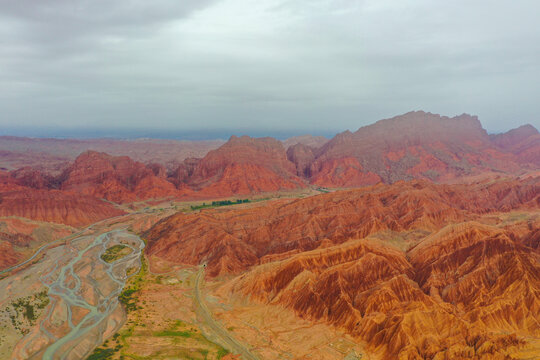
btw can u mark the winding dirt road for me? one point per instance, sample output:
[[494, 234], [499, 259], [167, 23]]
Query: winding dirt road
[[59, 241], [231, 343]]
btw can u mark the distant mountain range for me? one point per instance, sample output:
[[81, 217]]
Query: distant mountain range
[[416, 145]]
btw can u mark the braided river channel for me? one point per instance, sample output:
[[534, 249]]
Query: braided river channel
[[83, 289]]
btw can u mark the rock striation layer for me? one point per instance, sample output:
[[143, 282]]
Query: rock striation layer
[[115, 178], [55, 206], [414, 269], [234, 240], [244, 165], [420, 145]]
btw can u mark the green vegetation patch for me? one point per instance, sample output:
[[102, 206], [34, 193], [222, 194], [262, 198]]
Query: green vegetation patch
[[101, 354], [128, 296], [185, 334], [323, 190], [222, 352], [128, 299], [220, 203], [24, 311], [180, 340], [115, 252], [177, 339]]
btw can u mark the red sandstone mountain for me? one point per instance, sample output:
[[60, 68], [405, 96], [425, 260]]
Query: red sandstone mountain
[[414, 145], [182, 174], [467, 291], [33, 178], [116, 178], [344, 173], [55, 206], [8, 255], [243, 165], [8, 182], [524, 142], [417, 145], [232, 241], [20, 236], [302, 156], [401, 267]]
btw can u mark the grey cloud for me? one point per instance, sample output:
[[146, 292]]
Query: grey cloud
[[296, 64], [67, 18], [59, 28]]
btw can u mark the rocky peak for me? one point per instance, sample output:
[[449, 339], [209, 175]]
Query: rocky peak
[[514, 136]]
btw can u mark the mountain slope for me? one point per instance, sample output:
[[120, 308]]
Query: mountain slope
[[414, 269], [232, 241], [475, 301], [55, 206], [413, 145], [244, 165], [115, 178], [524, 142]]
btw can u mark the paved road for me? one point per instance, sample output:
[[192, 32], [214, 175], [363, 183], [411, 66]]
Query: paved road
[[234, 345]]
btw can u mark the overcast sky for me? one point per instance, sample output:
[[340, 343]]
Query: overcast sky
[[263, 66]]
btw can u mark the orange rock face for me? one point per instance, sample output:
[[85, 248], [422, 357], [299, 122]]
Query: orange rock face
[[19, 237], [302, 156], [416, 145], [283, 226], [421, 145], [30, 194], [524, 142], [55, 206], [8, 183], [244, 179], [243, 166], [345, 172], [415, 270], [8, 255], [33, 178], [118, 179]]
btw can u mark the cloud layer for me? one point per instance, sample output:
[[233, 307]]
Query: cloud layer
[[299, 66]]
